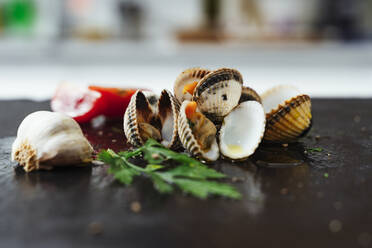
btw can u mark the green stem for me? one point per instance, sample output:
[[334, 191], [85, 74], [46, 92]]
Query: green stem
[[133, 166]]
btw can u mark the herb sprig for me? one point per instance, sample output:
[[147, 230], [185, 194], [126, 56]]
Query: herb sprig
[[167, 169]]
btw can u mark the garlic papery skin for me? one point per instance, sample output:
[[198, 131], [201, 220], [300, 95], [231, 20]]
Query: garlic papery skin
[[46, 139]]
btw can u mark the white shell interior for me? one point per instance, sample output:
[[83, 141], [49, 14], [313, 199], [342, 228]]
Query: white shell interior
[[242, 130], [213, 153], [276, 96], [167, 130]]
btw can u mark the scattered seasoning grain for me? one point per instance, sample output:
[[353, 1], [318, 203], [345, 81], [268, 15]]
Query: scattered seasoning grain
[[95, 228], [320, 194], [335, 225], [364, 239], [284, 191], [337, 205], [328, 154], [135, 207], [113, 140], [357, 119], [285, 145], [317, 137], [100, 133]]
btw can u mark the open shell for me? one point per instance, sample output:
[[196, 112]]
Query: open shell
[[138, 111], [249, 94], [189, 141], [242, 130], [142, 120], [218, 93], [288, 114], [186, 77]]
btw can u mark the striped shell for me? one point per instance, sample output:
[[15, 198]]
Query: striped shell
[[161, 117], [168, 107], [249, 94], [186, 77], [218, 93], [288, 114], [188, 139], [138, 111]]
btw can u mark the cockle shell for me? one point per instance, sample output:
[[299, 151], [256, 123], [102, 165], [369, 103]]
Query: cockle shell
[[189, 141], [186, 77], [168, 107], [288, 114], [242, 130], [142, 122], [218, 92], [46, 139], [138, 111]]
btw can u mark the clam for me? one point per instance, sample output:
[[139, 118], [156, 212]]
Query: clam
[[142, 121], [288, 114], [197, 133], [48, 139], [218, 93], [240, 134], [190, 78], [242, 130]]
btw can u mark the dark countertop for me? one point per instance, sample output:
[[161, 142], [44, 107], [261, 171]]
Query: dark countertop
[[324, 201]]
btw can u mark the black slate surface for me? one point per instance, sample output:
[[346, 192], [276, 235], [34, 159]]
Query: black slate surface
[[321, 199]]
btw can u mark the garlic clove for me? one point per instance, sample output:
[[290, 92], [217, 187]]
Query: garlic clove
[[47, 139]]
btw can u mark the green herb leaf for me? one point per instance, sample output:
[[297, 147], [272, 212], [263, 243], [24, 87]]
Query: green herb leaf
[[201, 189], [315, 149], [190, 175], [161, 185]]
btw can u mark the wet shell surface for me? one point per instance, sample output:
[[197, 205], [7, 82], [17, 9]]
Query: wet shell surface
[[142, 120], [242, 130], [186, 77], [218, 92], [288, 114], [189, 141], [249, 94], [48, 139]]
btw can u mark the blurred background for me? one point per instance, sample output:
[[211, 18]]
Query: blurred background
[[322, 46]]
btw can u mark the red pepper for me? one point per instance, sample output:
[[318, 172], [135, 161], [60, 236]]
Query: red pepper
[[85, 103]]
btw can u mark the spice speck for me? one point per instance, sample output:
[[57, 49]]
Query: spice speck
[[95, 228], [335, 225], [135, 207]]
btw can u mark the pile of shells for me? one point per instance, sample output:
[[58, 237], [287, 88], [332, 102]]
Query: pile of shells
[[212, 113]]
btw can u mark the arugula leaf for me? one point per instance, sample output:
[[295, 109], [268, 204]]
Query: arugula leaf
[[190, 175]]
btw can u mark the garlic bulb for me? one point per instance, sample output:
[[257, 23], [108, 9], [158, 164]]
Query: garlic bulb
[[46, 139]]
